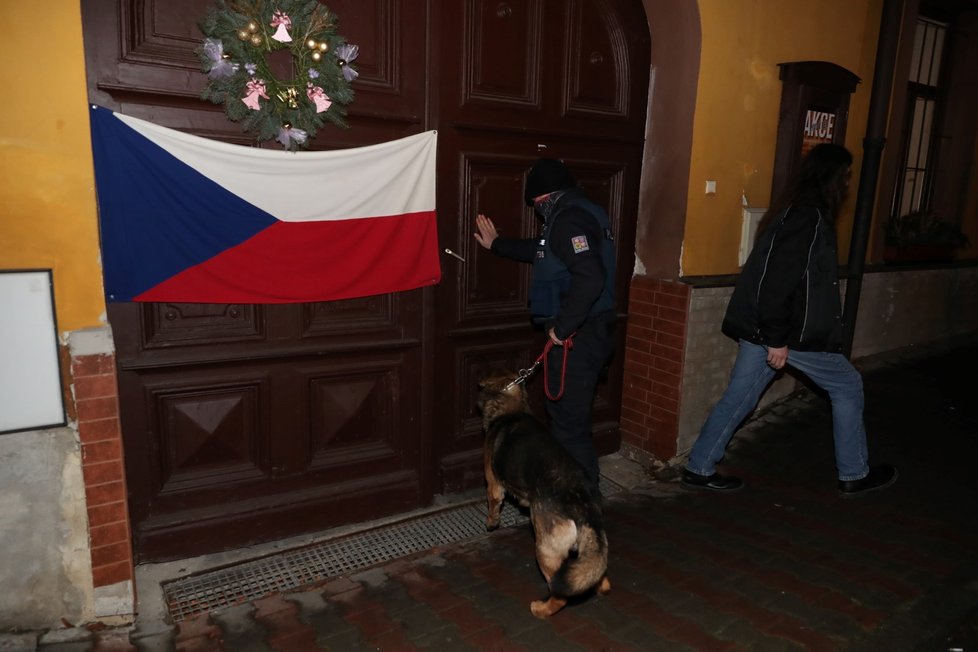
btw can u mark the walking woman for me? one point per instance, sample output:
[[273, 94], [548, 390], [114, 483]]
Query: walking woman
[[786, 309]]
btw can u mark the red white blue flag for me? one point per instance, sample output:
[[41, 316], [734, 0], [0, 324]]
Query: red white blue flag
[[188, 219]]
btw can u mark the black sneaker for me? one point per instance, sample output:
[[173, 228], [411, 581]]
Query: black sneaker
[[879, 477], [715, 482]]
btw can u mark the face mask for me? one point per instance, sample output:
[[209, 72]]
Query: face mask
[[546, 206]]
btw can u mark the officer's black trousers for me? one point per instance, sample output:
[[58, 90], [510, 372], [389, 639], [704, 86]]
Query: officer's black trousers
[[570, 416]]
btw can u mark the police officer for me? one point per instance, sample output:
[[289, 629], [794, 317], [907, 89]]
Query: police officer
[[572, 294]]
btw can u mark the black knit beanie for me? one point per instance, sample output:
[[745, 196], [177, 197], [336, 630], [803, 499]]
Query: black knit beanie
[[546, 176]]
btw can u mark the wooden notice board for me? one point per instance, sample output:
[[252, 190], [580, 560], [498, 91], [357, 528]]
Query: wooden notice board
[[814, 109]]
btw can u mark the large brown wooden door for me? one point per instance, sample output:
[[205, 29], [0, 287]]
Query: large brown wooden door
[[244, 423], [520, 80]]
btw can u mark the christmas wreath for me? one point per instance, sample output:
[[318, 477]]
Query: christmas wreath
[[240, 37]]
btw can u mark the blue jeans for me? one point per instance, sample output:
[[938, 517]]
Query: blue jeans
[[748, 380]]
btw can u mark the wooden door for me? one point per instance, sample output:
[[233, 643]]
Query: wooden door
[[246, 423], [520, 80]]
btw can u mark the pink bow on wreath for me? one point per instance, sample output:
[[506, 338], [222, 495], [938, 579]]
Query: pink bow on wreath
[[318, 97], [256, 89], [281, 21]]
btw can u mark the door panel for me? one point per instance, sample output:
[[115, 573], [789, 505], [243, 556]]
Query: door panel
[[210, 434], [245, 423], [541, 77], [597, 84], [482, 320], [503, 53], [305, 416], [547, 66]]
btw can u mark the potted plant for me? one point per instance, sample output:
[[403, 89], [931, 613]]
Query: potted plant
[[921, 236]]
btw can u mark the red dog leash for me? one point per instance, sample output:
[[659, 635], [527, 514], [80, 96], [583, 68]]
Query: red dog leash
[[568, 345], [526, 373]]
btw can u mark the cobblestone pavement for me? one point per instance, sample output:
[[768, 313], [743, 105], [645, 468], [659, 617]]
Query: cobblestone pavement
[[785, 564]]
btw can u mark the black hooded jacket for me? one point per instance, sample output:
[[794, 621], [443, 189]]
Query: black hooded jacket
[[788, 291], [590, 269]]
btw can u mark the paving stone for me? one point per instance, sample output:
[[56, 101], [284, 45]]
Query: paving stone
[[240, 632], [332, 631], [153, 636], [26, 642], [66, 635]]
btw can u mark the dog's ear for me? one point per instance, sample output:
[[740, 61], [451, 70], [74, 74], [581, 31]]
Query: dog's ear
[[512, 388], [491, 381]]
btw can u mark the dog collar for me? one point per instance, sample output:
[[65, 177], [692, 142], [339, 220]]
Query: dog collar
[[522, 376]]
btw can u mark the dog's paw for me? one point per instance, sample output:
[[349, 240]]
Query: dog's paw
[[539, 609], [546, 608], [492, 523], [605, 585]]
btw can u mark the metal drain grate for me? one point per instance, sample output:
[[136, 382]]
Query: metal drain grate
[[288, 570]]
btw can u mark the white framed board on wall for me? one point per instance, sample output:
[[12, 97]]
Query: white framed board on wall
[[31, 396]]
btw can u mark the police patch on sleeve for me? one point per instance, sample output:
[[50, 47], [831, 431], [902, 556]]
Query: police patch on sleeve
[[579, 242]]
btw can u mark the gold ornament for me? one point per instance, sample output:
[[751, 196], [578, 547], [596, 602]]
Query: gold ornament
[[311, 44], [252, 27], [316, 57], [324, 46], [290, 97], [244, 35], [256, 40]]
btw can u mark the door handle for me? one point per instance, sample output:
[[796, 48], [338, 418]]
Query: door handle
[[453, 254]]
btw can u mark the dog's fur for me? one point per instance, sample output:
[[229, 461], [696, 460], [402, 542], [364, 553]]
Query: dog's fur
[[524, 460]]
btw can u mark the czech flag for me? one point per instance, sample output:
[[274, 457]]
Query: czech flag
[[188, 219]]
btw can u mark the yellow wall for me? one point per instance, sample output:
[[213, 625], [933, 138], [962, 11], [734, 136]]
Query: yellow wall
[[738, 97], [47, 190]]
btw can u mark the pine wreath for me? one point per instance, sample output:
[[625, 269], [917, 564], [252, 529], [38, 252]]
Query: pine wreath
[[240, 36]]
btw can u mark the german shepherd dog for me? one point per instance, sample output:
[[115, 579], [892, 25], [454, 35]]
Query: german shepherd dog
[[524, 460]]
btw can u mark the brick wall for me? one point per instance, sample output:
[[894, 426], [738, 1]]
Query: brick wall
[[677, 364], [709, 358], [97, 409], [655, 346]]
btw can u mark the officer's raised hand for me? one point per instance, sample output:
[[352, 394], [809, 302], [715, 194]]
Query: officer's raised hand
[[486, 231]]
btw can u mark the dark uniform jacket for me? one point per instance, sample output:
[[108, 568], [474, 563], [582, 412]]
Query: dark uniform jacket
[[573, 264], [788, 291]]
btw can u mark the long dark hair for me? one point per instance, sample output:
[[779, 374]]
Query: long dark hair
[[821, 180]]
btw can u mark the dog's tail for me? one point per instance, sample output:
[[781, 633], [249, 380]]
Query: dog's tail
[[585, 564]]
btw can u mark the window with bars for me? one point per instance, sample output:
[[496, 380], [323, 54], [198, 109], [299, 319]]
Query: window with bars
[[913, 192]]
